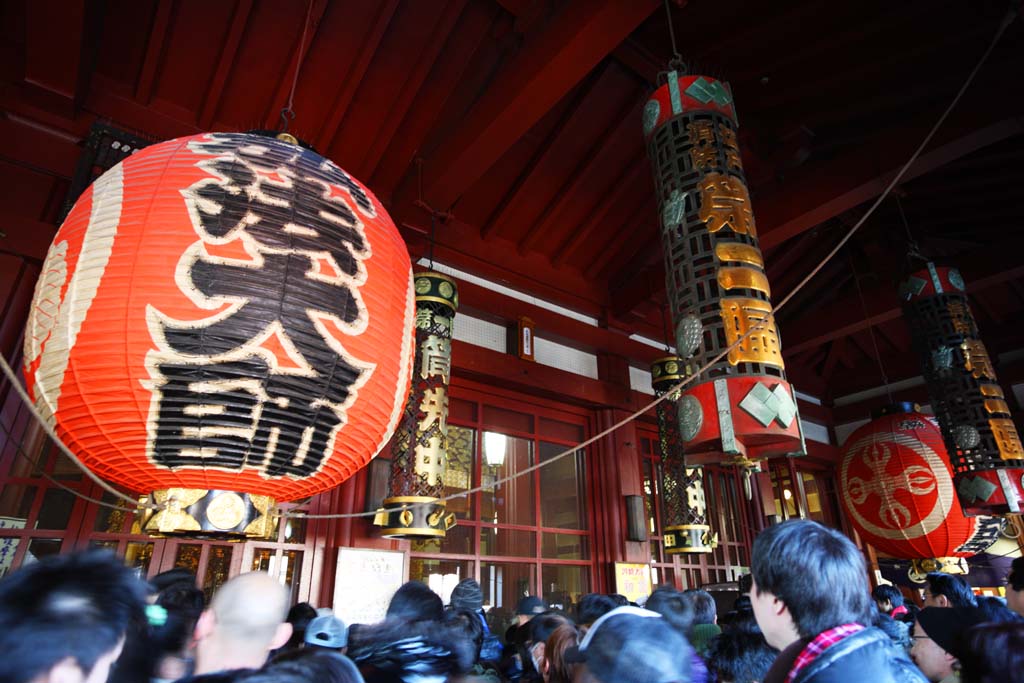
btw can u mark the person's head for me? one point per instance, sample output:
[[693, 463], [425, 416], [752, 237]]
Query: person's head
[[807, 579], [467, 595], [633, 645], [555, 668], [244, 622], [1015, 586], [744, 582], [466, 624], [538, 631], [705, 611], [897, 631], [299, 617], [674, 607], [738, 657], [182, 603], [171, 578], [995, 609], [327, 632], [887, 598], [530, 606], [64, 618], [946, 590], [939, 637], [592, 607], [994, 654], [307, 665], [619, 599], [414, 601]]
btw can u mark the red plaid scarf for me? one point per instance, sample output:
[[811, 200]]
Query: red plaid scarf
[[822, 642]]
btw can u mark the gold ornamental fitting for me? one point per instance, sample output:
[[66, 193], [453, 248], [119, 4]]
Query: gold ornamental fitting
[[205, 513], [920, 568], [288, 137], [668, 371], [689, 538], [434, 287], [413, 517]]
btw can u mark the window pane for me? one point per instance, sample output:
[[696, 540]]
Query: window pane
[[40, 548], [109, 520], [8, 546], [263, 560], [565, 547], [291, 572], [458, 475], [218, 564], [187, 555], [814, 510], [64, 469], [504, 583], [512, 502], [56, 509], [458, 540], [295, 530], [138, 555], [440, 575], [562, 501], [508, 542], [650, 493], [15, 505], [564, 585], [108, 545]]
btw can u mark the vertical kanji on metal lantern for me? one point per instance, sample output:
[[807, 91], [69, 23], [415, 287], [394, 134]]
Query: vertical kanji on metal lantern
[[419, 449], [981, 439], [685, 524], [742, 408]]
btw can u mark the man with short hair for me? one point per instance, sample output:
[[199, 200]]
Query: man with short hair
[[810, 597], [1015, 586], [245, 621], [940, 639], [705, 620], [631, 645], [889, 600], [946, 590], [63, 619]]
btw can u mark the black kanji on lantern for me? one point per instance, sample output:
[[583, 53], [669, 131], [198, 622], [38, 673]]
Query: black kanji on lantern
[[223, 399]]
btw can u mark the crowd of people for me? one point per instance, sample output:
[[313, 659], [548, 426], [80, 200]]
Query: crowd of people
[[805, 615]]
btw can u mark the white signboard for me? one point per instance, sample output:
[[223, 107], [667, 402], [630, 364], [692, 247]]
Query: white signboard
[[365, 582]]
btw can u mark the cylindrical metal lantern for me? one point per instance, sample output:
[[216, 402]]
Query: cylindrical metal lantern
[[896, 486], [419, 450], [223, 320], [686, 528], [981, 439], [743, 408]]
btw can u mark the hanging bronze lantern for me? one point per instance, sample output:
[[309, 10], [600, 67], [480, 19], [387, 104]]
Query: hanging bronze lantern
[[686, 527], [743, 408], [419, 450], [981, 439]]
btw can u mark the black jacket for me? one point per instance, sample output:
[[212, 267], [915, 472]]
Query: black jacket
[[867, 655]]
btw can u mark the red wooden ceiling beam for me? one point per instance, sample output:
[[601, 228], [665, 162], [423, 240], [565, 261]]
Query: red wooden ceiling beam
[[154, 51], [817, 192], [300, 52], [549, 66], [61, 40], [225, 62]]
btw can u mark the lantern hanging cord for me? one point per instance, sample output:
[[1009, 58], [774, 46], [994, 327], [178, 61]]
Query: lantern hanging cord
[[287, 113], [871, 328], [755, 328], [913, 250], [677, 59]]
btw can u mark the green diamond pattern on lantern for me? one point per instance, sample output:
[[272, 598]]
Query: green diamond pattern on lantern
[[973, 489], [706, 91], [786, 411], [675, 208], [651, 112], [912, 287], [956, 279], [766, 405]]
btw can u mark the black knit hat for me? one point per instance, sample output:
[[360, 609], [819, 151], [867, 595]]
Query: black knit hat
[[468, 596], [948, 626]]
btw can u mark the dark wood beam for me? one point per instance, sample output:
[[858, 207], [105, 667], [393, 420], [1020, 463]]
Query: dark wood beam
[[226, 60], [550, 65], [61, 43], [600, 266], [820, 191], [300, 52], [154, 51]]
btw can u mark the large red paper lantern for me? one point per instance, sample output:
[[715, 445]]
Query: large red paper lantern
[[896, 486], [224, 312]]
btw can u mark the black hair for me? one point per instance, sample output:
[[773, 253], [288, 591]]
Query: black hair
[[994, 654], [414, 601], [995, 610], [956, 589], [310, 664], [619, 599], [816, 572], [467, 624], [592, 607], [299, 617], [704, 608], [543, 625], [172, 577], [77, 605], [745, 583], [1015, 579], [740, 657], [673, 607], [884, 591], [184, 603]]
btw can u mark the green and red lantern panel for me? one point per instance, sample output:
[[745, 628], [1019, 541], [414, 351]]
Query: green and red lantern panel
[[896, 485], [686, 528], [981, 439], [419, 449], [743, 408], [223, 321]]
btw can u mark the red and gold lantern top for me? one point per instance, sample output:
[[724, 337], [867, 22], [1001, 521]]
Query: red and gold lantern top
[[225, 312], [896, 485]]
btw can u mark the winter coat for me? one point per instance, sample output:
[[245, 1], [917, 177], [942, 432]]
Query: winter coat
[[867, 655], [397, 651]]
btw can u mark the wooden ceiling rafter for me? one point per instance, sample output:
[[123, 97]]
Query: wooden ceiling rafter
[[71, 33], [601, 266], [154, 52], [299, 54], [225, 63]]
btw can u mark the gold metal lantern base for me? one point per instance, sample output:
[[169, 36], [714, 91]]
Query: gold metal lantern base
[[205, 513], [413, 517], [919, 569], [689, 538]]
